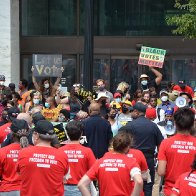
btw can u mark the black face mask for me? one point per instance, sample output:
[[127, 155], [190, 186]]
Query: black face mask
[[124, 110], [103, 102], [113, 116]]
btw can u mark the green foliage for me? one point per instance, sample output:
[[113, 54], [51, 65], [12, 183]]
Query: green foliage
[[185, 22]]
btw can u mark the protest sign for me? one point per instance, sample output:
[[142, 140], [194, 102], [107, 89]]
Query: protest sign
[[59, 129], [47, 65], [153, 57]]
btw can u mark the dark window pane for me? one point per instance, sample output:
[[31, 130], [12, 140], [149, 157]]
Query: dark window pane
[[129, 17], [48, 17]]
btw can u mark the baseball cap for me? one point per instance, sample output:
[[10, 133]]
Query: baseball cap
[[2, 78], [101, 95], [163, 91], [169, 111], [140, 107], [151, 113], [44, 127], [37, 117], [18, 125], [117, 95], [13, 113], [127, 102], [144, 76]]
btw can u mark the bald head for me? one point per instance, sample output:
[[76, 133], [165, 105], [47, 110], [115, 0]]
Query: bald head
[[26, 117], [94, 109]]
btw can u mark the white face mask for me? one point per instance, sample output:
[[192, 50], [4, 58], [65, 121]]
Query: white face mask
[[46, 85], [36, 101], [2, 83], [144, 82], [164, 98]]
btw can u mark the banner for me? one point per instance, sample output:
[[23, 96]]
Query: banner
[[47, 65], [153, 57]]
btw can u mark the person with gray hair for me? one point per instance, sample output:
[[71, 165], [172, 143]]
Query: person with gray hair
[[10, 180], [42, 165]]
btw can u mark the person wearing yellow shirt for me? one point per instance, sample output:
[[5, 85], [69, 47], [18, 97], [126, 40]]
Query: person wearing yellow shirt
[[51, 111]]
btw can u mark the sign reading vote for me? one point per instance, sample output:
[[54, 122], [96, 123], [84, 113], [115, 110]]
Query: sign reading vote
[[47, 65], [152, 57]]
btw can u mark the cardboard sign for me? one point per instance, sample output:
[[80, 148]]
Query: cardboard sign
[[47, 65], [152, 57]]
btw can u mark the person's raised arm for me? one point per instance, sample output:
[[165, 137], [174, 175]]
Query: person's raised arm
[[158, 75], [34, 80], [58, 79]]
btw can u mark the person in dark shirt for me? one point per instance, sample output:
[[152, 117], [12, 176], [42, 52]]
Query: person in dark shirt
[[147, 137], [97, 131], [146, 83]]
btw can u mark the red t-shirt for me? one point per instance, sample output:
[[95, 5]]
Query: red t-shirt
[[8, 159], [185, 185], [4, 131], [80, 160], [114, 172], [42, 170], [140, 159], [187, 89], [178, 151]]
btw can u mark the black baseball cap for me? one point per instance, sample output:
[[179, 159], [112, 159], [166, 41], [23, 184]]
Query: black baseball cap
[[18, 125], [44, 127], [140, 107], [13, 113], [36, 117]]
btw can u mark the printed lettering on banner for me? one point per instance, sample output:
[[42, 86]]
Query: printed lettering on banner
[[43, 160], [183, 146], [74, 155]]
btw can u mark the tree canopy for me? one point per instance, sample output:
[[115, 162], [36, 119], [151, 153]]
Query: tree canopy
[[185, 21]]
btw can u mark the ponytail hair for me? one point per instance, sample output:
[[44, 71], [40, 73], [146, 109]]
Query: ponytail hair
[[22, 136]]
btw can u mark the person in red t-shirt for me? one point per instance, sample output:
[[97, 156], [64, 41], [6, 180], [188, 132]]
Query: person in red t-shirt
[[80, 158], [42, 168], [186, 183], [114, 171], [177, 152], [10, 180], [182, 87], [5, 129]]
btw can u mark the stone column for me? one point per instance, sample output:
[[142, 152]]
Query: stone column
[[9, 40]]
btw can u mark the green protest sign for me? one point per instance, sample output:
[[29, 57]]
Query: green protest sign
[[153, 57]]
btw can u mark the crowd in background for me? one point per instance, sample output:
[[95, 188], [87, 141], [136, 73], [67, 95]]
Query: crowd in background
[[149, 134]]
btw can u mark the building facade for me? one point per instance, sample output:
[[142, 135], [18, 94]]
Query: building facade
[[120, 28]]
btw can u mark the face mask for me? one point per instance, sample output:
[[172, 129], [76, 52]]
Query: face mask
[[2, 83], [113, 116], [169, 125], [36, 101], [101, 88], [47, 105], [144, 82], [164, 98], [118, 100], [126, 90], [61, 119], [46, 85], [124, 110]]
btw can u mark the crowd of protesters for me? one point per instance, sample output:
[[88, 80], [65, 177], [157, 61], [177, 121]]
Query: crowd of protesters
[[116, 143]]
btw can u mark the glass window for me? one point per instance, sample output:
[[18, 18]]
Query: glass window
[[129, 17], [184, 69], [48, 17]]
